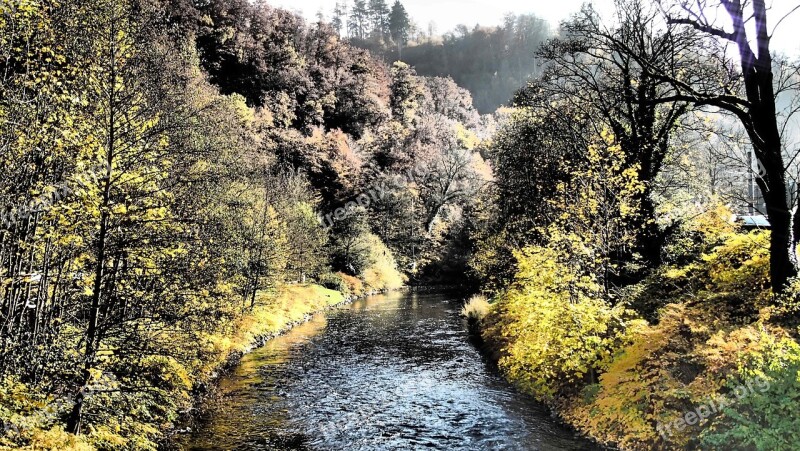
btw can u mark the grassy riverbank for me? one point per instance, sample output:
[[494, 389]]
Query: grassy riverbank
[[32, 419], [697, 356]]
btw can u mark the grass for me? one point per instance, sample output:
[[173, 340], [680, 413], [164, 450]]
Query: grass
[[276, 311], [476, 308]]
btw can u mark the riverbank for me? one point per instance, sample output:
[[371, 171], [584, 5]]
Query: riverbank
[[275, 314], [38, 424], [393, 371], [699, 356]]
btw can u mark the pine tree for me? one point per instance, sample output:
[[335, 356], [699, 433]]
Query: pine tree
[[339, 17], [379, 19], [359, 19], [399, 26]]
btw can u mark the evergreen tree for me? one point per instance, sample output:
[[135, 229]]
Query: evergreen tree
[[399, 26], [359, 19], [339, 17], [379, 19]]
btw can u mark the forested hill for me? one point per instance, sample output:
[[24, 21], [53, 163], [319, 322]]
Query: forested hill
[[170, 167], [491, 62]]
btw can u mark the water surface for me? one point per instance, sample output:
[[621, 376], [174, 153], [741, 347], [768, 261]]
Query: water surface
[[394, 372]]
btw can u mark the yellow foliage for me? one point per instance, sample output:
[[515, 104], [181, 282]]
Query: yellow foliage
[[56, 439], [688, 357], [554, 326], [382, 274], [354, 284]]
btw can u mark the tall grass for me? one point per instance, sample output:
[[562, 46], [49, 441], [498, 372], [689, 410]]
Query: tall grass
[[476, 308]]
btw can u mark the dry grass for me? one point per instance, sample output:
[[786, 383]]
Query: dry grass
[[476, 308]]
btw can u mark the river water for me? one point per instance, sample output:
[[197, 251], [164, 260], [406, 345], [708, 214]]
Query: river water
[[390, 372]]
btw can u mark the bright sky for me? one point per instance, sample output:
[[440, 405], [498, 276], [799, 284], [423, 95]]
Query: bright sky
[[449, 13]]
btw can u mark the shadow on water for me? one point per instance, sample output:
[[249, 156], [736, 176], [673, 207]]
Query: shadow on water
[[394, 371]]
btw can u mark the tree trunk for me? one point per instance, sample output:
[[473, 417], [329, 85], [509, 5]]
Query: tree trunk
[[650, 239], [768, 147], [76, 416], [92, 336], [783, 242]]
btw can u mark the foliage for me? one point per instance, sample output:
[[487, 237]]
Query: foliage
[[696, 232], [470, 55], [381, 274], [555, 329], [598, 210], [334, 281], [765, 419], [153, 221], [703, 344]]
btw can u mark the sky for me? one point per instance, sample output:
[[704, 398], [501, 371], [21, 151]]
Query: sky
[[449, 13]]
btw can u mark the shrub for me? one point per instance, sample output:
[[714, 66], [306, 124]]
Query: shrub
[[476, 308], [334, 281], [694, 232], [557, 329], [354, 284], [699, 350], [382, 273], [741, 264], [766, 418]]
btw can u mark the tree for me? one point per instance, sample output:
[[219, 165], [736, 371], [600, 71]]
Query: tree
[[132, 241], [590, 69], [450, 100], [449, 178], [339, 17], [491, 62], [358, 20], [399, 26], [749, 93], [407, 93], [37, 151], [379, 17], [350, 249]]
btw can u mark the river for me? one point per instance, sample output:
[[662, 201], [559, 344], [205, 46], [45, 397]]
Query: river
[[389, 372]]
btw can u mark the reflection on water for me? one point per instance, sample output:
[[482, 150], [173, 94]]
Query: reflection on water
[[389, 372]]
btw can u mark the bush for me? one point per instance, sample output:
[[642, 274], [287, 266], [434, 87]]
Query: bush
[[708, 341], [476, 308], [766, 418], [696, 232], [354, 284], [735, 272], [556, 328], [382, 273], [334, 281]]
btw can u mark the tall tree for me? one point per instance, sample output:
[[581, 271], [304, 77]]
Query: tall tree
[[132, 237], [359, 20], [749, 93], [590, 69], [379, 19], [339, 17], [399, 26]]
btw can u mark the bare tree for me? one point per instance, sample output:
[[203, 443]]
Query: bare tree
[[748, 89], [604, 72], [450, 177]]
